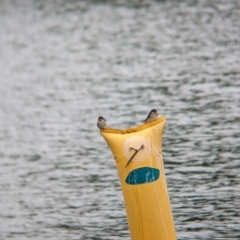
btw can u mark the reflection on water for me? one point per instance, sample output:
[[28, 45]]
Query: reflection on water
[[64, 64]]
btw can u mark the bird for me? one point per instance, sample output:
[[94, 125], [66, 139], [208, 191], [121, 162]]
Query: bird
[[151, 116], [101, 122]]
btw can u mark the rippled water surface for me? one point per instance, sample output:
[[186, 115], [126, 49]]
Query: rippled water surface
[[64, 63]]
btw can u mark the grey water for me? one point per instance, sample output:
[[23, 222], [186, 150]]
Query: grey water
[[64, 63]]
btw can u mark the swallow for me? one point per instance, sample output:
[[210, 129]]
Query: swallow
[[101, 122], [151, 116]]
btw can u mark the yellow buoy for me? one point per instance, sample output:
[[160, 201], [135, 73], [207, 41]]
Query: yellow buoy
[[138, 155]]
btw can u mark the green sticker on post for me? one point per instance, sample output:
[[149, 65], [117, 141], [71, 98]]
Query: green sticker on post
[[143, 175]]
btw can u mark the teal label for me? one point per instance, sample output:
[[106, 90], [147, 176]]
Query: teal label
[[143, 175]]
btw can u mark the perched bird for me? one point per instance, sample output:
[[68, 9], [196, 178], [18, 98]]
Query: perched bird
[[101, 122], [151, 116]]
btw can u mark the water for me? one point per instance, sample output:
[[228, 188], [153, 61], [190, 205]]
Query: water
[[65, 63]]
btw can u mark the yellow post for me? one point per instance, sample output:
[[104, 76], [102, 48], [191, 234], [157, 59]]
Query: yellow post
[[138, 156]]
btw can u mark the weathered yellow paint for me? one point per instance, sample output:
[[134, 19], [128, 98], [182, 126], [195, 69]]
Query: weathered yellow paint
[[147, 204]]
